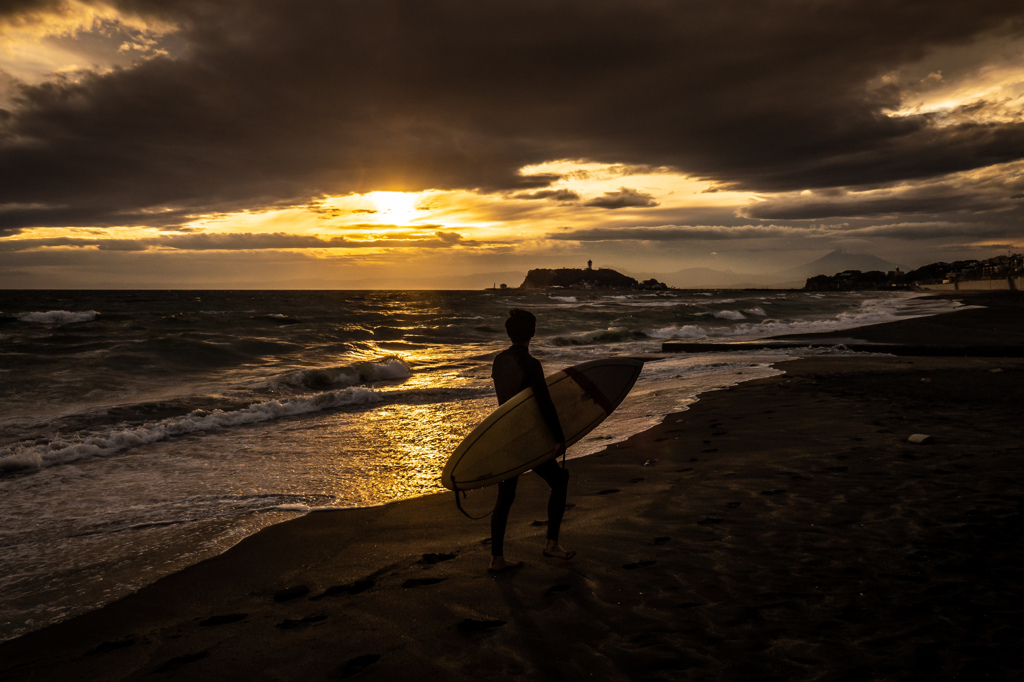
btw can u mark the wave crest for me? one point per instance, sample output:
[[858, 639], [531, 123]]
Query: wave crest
[[59, 316], [355, 374], [613, 335], [21, 457]]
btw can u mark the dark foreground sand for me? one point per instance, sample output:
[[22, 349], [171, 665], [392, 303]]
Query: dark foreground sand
[[782, 530]]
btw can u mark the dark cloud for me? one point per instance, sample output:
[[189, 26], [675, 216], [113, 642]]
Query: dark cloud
[[622, 198], [272, 102], [674, 233], [14, 218], [1006, 226], [996, 189], [238, 242], [450, 237], [14, 8], [847, 204], [556, 194], [920, 231]]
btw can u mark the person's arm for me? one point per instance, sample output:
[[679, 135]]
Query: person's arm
[[547, 407]]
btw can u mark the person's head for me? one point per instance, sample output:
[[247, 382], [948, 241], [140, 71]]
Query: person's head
[[521, 325]]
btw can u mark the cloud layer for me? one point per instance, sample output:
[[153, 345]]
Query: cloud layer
[[270, 103]]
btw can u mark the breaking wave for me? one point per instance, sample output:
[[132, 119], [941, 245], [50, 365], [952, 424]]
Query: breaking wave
[[58, 317], [613, 335], [320, 378], [59, 450]]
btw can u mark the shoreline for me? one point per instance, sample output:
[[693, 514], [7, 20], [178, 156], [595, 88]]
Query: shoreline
[[780, 528]]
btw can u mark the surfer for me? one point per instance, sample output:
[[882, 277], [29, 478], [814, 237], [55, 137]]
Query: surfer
[[514, 370]]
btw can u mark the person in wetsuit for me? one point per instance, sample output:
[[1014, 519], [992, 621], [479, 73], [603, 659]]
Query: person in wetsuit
[[514, 370]]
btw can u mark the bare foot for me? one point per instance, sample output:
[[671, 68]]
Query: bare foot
[[498, 563], [556, 551]]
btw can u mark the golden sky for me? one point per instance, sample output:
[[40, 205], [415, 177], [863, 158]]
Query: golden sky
[[191, 143]]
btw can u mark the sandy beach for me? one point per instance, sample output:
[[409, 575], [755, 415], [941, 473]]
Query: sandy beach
[[784, 529]]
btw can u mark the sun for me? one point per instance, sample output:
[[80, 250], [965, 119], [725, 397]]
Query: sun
[[397, 207]]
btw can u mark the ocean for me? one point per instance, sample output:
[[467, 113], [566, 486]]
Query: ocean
[[144, 431]]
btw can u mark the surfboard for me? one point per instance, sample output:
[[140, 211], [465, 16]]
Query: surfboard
[[514, 438]]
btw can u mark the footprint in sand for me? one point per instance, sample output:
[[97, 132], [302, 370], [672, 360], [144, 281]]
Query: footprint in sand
[[179, 661], [710, 521], [422, 582], [349, 589], [774, 492], [290, 593], [471, 626], [111, 646], [609, 491], [733, 505], [639, 564], [357, 665], [661, 540], [225, 619], [290, 624], [431, 558], [561, 587]]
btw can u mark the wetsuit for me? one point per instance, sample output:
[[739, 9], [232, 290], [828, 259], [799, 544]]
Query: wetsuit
[[514, 370]]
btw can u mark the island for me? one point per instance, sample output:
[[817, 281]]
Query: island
[[578, 278]]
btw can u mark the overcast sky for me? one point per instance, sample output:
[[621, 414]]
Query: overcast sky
[[263, 143]]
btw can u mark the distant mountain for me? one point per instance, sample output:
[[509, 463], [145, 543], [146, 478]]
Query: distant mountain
[[840, 261], [793, 278]]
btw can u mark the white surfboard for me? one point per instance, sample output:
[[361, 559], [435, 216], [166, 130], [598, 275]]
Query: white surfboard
[[515, 438]]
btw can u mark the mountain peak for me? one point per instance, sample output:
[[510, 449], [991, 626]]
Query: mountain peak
[[841, 260]]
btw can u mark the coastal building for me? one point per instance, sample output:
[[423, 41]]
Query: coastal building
[[998, 273]]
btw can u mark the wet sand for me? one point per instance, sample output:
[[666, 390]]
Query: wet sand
[[784, 529]]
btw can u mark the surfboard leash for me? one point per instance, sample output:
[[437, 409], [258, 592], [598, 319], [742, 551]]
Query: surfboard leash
[[458, 504]]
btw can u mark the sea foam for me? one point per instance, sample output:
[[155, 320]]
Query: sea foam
[[22, 456], [59, 317], [368, 372], [730, 315]]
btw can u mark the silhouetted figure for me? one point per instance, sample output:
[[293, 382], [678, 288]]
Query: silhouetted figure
[[514, 370]]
